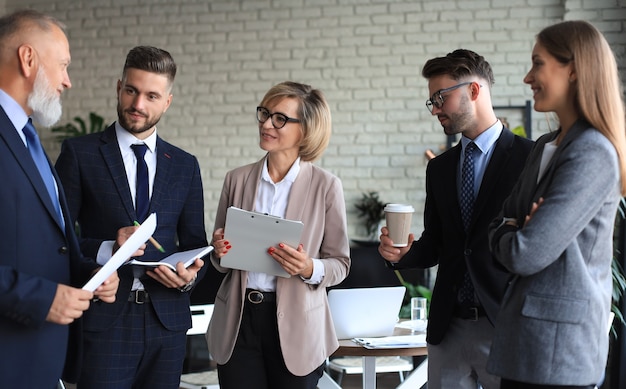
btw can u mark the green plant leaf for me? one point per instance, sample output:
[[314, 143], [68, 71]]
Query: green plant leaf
[[69, 130], [371, 209]]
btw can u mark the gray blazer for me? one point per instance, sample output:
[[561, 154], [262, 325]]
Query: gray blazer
[[552, 327], [305, 327]]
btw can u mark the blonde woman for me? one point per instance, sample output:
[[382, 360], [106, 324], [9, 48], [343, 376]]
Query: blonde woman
[[272, 332], [555, 231]]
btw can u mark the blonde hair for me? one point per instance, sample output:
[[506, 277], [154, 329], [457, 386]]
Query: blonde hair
[[313, 112], [599, 95]]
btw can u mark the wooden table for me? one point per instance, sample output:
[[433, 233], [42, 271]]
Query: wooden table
[[349, 348]]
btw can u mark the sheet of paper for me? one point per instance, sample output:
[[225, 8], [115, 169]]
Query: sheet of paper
[[138, 238], [402, 341]]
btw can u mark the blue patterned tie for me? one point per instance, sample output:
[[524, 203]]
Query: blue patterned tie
[[466, 293], [41, 161], [142, 196], [467, 185]]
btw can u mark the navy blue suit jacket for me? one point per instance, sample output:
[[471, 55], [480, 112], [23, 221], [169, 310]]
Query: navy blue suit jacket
[[98, 193], [37, 255], [444, 241]]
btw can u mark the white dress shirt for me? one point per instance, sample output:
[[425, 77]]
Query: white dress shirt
[[272, 198], [484, 145], [124, 140]]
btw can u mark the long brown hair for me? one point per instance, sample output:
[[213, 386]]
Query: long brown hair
[[599, 95]]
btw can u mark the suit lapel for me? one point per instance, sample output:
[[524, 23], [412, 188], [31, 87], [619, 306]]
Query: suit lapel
[[300, 192], [113, 159], [21, 154], [448, 175], [495, 168], [161, 178], [251, 185], [546, 178]]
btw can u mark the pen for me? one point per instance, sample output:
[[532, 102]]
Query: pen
[[152, 240]]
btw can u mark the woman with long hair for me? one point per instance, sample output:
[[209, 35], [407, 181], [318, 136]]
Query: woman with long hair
[[555, 231]]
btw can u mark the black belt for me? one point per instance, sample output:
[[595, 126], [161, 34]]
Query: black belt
[[258, 297], [138, 297], [469, 313]]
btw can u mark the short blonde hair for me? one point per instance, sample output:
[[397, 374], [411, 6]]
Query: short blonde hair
[[313, 112], [599, 96]]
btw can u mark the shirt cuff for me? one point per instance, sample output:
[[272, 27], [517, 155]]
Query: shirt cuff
[[318, 273], [105, 252]]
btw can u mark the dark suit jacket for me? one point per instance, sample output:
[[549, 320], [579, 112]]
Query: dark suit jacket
[[444, 241], [37, 255], [92, 172]]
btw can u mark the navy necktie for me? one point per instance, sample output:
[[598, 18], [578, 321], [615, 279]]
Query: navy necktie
[[467, 185], [466, 293], [40, 159], [142, 195]]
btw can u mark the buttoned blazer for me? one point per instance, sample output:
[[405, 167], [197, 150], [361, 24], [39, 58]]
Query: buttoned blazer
[[552, 328], [37, 255], [92, 171], [444, 241], [305, 327]]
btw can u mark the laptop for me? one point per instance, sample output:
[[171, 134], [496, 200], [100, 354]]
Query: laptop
[[365, 312]]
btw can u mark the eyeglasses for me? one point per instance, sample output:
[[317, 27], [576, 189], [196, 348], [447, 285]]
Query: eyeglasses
[[278, 119], [437, 100]]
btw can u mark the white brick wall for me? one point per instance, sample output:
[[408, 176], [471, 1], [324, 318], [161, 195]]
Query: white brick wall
[[366, 55]]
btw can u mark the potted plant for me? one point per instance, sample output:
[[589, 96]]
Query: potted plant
[[371, 209], [70, 130]]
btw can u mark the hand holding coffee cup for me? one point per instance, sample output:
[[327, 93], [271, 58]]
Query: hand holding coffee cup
[[398, 218]]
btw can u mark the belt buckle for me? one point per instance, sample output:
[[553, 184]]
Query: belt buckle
[[255, 297], [140, 297], [473, 313]]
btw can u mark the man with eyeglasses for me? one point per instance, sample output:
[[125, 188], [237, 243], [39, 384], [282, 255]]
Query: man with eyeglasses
[[465, 189]]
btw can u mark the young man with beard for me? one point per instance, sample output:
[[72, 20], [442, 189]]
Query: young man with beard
[[465, 189], [41, 268], [138, 342]]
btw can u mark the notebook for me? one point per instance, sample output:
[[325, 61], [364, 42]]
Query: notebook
[[251, 234], [365, 312]]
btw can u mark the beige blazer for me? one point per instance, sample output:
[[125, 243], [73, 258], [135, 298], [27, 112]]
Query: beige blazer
[[305, 327]]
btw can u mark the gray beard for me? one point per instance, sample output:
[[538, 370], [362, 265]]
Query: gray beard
[[46, 104]]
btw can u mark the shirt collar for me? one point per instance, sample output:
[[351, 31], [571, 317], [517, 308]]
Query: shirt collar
[[290, 176], [125, 139], [14, 111], [486, 139]]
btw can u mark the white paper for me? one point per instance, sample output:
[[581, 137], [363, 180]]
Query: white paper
[[186, 257], [403, 341], [139, 237], [414, 325]]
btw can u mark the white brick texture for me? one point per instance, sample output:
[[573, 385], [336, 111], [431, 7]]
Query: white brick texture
[[365, 55]]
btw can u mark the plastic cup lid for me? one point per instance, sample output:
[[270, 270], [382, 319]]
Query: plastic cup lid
[[403, 208]]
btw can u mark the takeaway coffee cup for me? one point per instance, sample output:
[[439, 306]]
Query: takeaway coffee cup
[[398, 217]]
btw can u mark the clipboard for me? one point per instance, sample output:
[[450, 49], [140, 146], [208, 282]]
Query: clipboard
[[251, 234]]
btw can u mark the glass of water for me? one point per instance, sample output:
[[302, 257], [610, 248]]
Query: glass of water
[[418, 313]]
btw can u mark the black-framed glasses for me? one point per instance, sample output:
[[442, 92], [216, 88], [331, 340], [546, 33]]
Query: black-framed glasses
[[278, 119], [437, 100]]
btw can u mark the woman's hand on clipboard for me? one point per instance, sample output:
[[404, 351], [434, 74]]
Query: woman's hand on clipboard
[[221, 246], [296, 262]]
